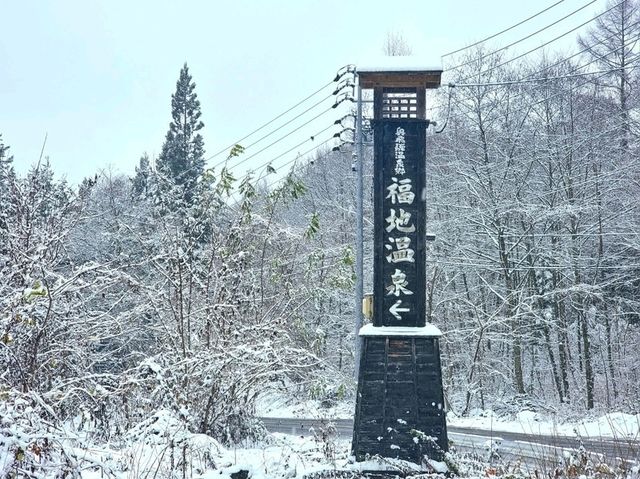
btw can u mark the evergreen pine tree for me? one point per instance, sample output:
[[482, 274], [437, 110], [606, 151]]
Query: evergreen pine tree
[[7, 173], [7, 179], [140, 182], [181, 161]]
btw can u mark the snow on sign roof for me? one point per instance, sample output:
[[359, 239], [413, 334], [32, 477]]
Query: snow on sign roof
[[398, 64]]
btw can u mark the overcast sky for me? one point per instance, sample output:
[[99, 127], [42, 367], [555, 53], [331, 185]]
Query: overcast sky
[[97, 77]]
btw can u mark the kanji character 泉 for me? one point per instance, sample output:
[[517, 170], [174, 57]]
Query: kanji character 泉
[[399, 283]]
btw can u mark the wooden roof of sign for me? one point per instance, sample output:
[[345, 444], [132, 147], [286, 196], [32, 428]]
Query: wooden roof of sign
[[399, 72]]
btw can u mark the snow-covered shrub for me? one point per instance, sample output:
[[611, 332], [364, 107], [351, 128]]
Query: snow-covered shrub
[[328, 392], [213, 392], [162, 444], [34, 443]]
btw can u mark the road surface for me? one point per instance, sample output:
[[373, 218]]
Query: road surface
[[509, 445]]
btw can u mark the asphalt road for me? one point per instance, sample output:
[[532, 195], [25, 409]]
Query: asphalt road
[[510, 445]]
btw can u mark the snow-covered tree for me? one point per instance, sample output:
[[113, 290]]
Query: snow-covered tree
[[181, 161], [612, 45], [140, 182]]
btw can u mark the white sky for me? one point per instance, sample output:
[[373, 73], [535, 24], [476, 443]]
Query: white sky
[[97, 76]]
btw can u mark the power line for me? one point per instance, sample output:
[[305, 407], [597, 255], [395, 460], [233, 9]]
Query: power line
[[266, 124], [528, 36], [347, 69], [446, 121], [343, 97], [271, 121], [544, 44], [584, 51], [300, 155], [532, 104], [502, 31], [528, 79], [630, 44], [280, 127], [311, 138], [533, 80], [264, 166], [293, 161], [568, 267]]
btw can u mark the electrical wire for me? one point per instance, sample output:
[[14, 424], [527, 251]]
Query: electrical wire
[[528, 79], [446, 121], [244, 160], [533, 80], [279, 128], [526, 37], [188, 170], [502, 31], [263, 168], [585, 50], [532, 104], [301, 155], [544, 44], [224, 150]]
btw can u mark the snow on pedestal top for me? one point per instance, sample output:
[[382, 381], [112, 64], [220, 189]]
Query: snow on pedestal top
[[425, 331]]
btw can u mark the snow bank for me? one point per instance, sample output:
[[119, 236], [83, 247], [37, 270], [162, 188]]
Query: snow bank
[[279, 407], [615, 424]]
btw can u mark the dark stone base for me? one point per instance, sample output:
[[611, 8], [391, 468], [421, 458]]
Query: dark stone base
[[400, 403]]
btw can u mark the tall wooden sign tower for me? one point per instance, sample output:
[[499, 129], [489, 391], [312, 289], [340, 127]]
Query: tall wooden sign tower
[[400, 404]]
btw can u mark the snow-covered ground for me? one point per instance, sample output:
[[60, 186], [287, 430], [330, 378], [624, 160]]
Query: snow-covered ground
[[283, 456], [615, 424], [279, 406], [162, 447], [159, 447]]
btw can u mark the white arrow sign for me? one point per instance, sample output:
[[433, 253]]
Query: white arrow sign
[[395, 309]]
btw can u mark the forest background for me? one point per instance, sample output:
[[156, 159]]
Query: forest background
[[187, 289]]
